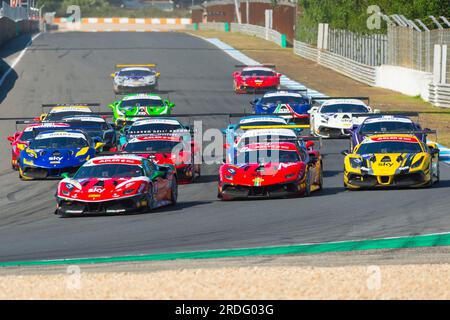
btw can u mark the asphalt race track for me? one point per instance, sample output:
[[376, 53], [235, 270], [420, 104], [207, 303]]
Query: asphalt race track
[[71, 67]]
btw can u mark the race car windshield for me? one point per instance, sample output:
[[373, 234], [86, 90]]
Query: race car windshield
[[57, 116], [272, 138], [136, 73], [283, 100], [389, 147], [88, 125], [28, 135], [388, 126], [154, 127], [109, 171], [267, 156], [350, 108], [257, 73], [142, 103], [162, 146], [58, 143]]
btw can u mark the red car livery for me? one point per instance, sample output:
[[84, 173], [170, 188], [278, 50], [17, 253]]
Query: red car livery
[[271, 169], [256, 79], [19, 141], [168, 149], [117, 184]]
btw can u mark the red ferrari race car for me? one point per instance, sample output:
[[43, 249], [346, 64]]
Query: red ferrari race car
[[168, 149], [256, 79], [19, 141], [117, 184], [272, 170]]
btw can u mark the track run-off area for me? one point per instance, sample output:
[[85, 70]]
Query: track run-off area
[[75, 67]]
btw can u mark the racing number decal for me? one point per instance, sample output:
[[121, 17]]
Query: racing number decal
[[74, 20]]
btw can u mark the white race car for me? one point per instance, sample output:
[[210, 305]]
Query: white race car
[[135, 78], [335, 117]]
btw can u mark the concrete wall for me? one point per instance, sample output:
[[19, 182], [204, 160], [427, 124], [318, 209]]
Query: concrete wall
[[10, 29], [407, 81]]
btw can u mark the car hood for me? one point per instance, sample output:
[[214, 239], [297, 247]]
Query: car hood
[[261, 174], [99, 189], [387, 164]]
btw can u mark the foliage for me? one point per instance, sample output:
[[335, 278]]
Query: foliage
[[352, 14]]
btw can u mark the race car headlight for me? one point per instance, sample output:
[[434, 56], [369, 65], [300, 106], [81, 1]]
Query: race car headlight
[[231, 171], [290, 176], [355, 163], [129, 191], [31, 153], [417, 163]]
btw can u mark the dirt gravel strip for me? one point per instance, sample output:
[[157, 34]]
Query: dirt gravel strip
[[284, 282]]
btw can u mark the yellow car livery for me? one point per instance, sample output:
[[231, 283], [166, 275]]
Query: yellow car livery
[[391, 160]]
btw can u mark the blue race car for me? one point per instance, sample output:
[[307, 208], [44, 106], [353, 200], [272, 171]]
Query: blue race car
[[290, 104], [381, 124], [51, 154], [95, 126]]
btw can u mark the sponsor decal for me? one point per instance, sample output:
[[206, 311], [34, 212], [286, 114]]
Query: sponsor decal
[[96, 190]]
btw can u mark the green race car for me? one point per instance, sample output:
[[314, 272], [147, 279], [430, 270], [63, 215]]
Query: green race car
[[136, 106]]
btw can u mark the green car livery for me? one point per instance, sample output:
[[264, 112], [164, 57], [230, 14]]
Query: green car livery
[[136, 106]]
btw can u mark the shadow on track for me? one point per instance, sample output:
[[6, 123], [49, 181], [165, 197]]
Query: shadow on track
[[11, 47]]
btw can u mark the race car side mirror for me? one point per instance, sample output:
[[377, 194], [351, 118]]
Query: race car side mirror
[[376, 111], [158, 74], [111, 106], [10, 138], [158, 174], [99, 145], [65, 175], [113, 75], [345, 152], [236, 74], [279, 75], [434, 151]]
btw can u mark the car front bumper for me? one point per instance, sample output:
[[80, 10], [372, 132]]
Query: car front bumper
[[291, 189], [366, 181]]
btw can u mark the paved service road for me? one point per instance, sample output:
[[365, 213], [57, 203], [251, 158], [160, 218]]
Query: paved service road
[[70, 67]]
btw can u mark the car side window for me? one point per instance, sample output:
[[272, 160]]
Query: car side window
[[148, 168]]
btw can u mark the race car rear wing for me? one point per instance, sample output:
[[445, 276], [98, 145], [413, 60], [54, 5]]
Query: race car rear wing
[[411, 132], [265, 65], [75, 104], [317, 99], [148, 65]]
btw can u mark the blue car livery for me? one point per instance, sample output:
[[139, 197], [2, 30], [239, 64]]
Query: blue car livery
[[287, 104], [50, 154]]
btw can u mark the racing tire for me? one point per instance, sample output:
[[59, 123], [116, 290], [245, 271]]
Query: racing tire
[[308, 185], [174, 193], [321, 177]]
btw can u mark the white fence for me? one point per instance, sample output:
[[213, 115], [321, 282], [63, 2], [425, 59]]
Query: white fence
[[358, 71], [18, 13], [258, 31], [439, 95], [367, 49]]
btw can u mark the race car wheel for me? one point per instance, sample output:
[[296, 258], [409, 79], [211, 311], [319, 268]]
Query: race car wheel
[[174, 193], [321, 177], [308, 185]]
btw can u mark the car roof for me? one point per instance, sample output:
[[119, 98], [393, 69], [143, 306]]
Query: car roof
[[385, 118], [269, 132], [270, 118], [141, 96], [46, 125], [70, 108], [282, 94], [256, 69], [156, 137], [344, 101], [115, 159], [61, 134], [145, 121], [289, 146]]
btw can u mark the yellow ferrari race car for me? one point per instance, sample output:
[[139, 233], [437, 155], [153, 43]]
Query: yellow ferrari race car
[[391, 160]]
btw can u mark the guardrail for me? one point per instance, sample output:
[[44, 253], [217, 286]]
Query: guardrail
[[257, 31], [440, 95], [355, 70]]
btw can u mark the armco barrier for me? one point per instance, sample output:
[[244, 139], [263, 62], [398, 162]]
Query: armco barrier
[[440, 95], [260, 32], [355, 70]]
